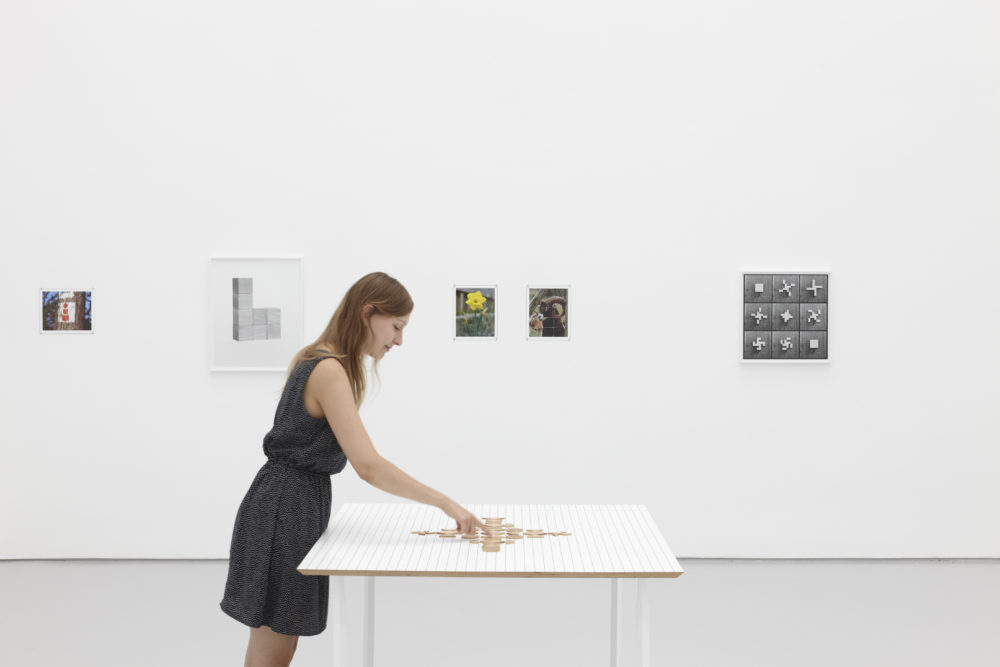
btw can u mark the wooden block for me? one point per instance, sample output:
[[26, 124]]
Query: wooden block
[[487, 547]]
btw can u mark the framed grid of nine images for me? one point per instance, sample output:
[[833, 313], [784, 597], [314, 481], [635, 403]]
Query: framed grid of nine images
[[785, 316]]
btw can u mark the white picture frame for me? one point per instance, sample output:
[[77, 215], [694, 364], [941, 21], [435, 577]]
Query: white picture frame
[[492, 300], [49, 295], [530, 312], [277, 286]]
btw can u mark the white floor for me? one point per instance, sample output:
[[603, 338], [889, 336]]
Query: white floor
[[720, 612]]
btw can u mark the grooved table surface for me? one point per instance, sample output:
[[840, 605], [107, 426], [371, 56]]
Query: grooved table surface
[[377, 539]]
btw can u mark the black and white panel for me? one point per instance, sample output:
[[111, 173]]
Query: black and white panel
[[786, 316]]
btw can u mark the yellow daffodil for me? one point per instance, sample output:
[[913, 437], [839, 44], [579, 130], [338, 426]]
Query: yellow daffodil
[[476, 301]]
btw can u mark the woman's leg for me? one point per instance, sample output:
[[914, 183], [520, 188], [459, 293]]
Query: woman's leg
[[269, 648]]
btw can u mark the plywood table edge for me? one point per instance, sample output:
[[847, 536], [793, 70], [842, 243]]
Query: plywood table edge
[[545, 575]]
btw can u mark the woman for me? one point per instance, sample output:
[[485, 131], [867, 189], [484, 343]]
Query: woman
[[316, 431]]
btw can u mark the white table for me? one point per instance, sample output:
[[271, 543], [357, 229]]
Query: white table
[[617, 542]]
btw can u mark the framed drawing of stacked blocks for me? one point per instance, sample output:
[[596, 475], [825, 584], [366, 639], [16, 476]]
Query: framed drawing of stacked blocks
[[255, 313], [786, 316]]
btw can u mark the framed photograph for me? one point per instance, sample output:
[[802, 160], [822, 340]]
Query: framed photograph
[[786, 315], [66, 311], [256, 313], [548, 312], [476, 312]]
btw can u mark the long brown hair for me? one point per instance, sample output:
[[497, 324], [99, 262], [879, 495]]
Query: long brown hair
[[347, 332]]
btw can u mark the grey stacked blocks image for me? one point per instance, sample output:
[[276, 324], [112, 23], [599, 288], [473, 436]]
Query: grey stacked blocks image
[[785, 315], [251, 323]]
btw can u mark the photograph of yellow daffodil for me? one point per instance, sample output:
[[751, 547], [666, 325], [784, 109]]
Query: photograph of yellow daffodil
[[548, 312], [475, 312]]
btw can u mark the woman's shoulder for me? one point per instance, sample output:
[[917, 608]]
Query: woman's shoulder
[[327, 380], [322, 355], [323, 364], [329, 366]]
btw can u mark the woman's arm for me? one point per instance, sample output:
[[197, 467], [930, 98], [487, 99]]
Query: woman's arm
[[386, 476], [332, 389]]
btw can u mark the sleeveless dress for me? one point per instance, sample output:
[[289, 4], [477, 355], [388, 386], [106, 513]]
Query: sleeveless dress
[[282, 515]]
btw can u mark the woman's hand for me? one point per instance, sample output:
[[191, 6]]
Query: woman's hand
[[466, 520]]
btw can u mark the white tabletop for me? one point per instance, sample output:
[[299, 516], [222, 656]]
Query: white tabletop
[[377, 539]]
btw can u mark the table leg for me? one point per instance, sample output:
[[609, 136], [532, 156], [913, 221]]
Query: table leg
[[642, 613], [616, 623], [339, 619], [368, 655]]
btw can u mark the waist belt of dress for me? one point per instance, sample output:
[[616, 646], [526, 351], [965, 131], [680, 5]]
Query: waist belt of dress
[[288, 466]]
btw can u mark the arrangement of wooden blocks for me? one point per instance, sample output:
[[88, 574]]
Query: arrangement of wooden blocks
[[498, 533]]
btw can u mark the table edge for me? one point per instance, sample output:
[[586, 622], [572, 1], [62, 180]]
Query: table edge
[[545, 575]]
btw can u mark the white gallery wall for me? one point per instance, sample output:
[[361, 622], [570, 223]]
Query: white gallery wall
[[644, 153]]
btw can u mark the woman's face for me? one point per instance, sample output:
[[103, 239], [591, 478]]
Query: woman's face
[[386, 332]]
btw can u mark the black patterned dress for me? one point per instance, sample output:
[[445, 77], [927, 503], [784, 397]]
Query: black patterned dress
[[282, 515]]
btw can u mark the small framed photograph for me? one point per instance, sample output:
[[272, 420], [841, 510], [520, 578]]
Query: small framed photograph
[[256, 313], [66, 311], [548, 312], [786, 314], [476, 312]]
